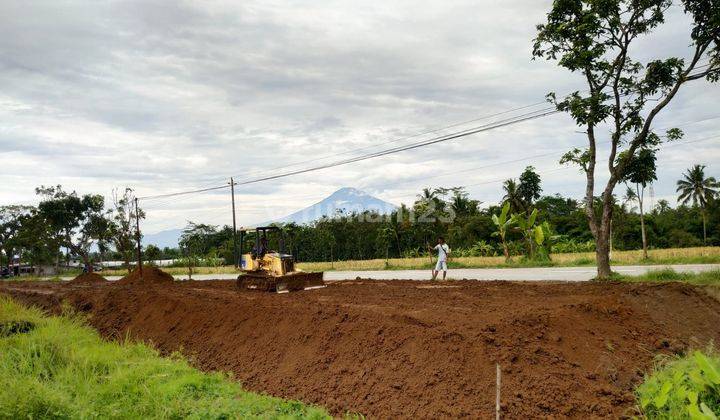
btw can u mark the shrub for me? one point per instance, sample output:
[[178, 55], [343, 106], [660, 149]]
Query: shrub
[[565, 245], [688, 387]]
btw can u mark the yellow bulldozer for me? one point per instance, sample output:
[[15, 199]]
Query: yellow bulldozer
[[272, 271]]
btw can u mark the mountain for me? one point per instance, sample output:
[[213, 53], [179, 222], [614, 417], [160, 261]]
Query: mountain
[[169, 238], [347, 199]]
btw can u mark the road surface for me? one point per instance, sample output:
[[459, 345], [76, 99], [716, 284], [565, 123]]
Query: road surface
[[532, 274]]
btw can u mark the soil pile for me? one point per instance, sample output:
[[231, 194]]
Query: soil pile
[[398, 349], [87, 279], [150, 275]]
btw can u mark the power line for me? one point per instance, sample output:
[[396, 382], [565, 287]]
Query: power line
[[485, 117], [216, 210], [462, 133], [402, 148], [434, 140]]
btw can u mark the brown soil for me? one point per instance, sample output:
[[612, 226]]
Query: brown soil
[[150, 275], [399, 349], [88, 278]]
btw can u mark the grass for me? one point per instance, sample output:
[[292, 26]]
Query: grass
[[705, 278], [61, 368], [698, 255], [682, 388]]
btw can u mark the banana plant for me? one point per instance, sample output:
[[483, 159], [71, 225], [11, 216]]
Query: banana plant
[[503, 222], [533, 234]]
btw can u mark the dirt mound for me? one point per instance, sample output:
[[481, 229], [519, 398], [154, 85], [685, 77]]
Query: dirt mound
[[150, 275], [88, 279], [389, 349]]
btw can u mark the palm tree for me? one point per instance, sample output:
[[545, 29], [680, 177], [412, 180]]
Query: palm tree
[[427, 195], [698, 189], [512, 196], [630, 197], [662, 206]]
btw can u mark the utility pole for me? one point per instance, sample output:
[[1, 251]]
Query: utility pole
[[234, 237], [137, 233]]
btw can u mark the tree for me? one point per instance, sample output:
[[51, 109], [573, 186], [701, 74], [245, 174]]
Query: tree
[[197, 238], [512, 196], [629, 198], [698, 189], [152, 253], [533, 234], [75, 221], [529, 188], [641, 171], [10, 224], [122, 229], [594, 38], [503, 223], [33, 240], [662, 206], [461, 205]]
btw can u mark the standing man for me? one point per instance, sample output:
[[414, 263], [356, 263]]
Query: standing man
[[443, 251]]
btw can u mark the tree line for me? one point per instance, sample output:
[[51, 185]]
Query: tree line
[[526, 223]]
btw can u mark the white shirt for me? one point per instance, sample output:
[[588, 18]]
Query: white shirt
[[443, 251]]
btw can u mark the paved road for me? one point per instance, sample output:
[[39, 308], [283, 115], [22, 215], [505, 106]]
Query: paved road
[[534, 274]]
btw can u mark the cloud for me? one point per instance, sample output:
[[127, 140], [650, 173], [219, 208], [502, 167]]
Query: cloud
[[165, 96]]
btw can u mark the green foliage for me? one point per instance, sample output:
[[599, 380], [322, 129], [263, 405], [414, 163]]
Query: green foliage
[[565, 245], [503, 223], [73, 221], [63, 369], [695, 187], [122, 230], [472, 231], [700, 189], [152, 253], [595, 40], [685, 388], [529, 188], [711, 277], [533, 234]]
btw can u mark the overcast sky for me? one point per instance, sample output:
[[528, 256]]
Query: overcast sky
[[169, 96]]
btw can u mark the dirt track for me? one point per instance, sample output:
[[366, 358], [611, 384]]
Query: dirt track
[[413, 349]]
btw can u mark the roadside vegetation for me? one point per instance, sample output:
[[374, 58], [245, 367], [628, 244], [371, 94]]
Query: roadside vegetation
[[698, 255], [711, 277], [56, 367], [526, 229], [683, 388]]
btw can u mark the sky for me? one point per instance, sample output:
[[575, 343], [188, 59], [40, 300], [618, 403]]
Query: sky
[[166, 96]]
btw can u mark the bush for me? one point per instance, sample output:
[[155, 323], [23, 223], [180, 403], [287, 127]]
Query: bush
[[565, 245], [687, 388]]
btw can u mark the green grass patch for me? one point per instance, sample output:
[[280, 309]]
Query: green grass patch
[[57, 367], [711, 277], [683, 388]]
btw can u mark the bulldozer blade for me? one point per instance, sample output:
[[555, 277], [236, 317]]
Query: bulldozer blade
[[281, 284]]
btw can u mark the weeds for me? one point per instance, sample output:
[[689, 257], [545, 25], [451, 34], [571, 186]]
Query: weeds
[[711, 277], [687, 387]]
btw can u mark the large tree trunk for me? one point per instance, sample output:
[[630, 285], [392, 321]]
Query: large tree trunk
[[86, 261], [704, 226], [602, 239], [602, 254]]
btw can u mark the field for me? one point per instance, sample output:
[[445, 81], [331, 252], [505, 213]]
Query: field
[[403, 349], [699, 255]]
